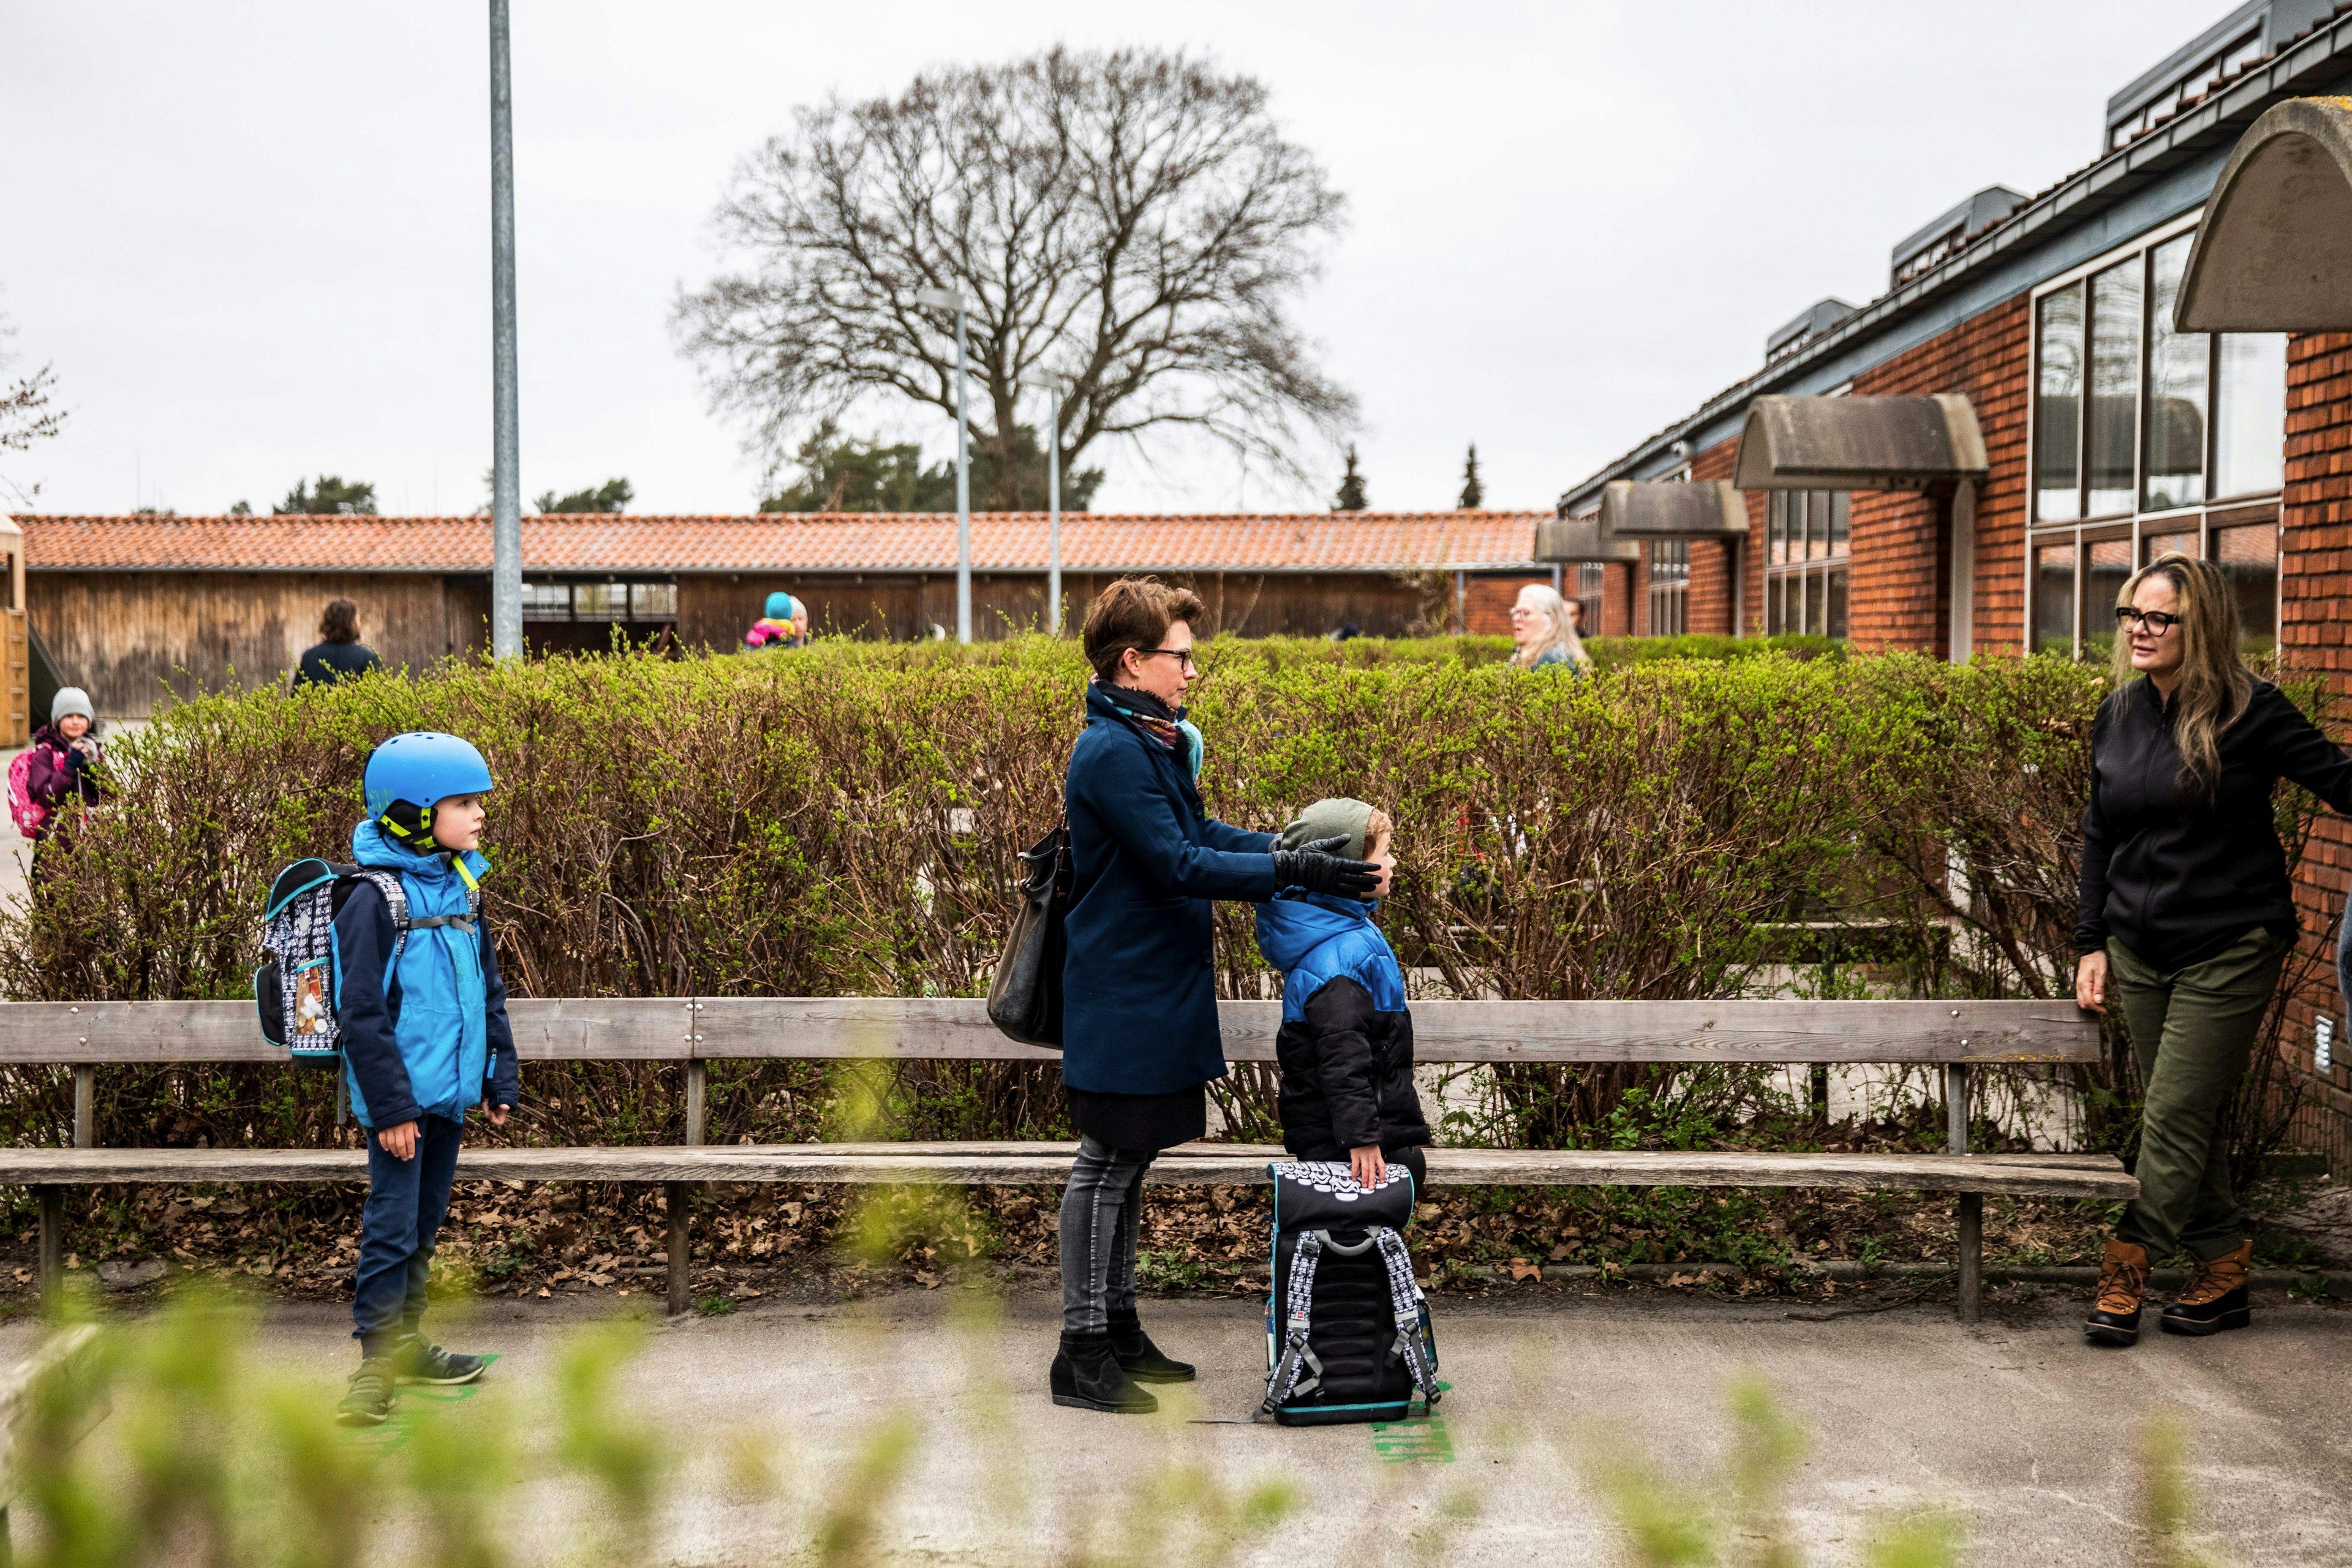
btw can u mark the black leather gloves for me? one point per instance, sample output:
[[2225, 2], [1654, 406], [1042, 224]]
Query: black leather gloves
[[1315, 867]]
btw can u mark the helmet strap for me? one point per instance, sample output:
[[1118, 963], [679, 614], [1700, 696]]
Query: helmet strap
[[410, 826]]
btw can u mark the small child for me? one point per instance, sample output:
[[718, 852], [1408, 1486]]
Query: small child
[[1346, 1042], [423, 1038], [785, 624]]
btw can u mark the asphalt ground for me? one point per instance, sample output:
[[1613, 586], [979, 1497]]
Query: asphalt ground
[[2017, 1430]]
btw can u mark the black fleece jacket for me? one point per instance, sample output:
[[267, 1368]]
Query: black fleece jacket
[[2175, 882]]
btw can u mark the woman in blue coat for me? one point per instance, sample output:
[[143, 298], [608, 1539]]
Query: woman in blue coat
[[1140, 1040]]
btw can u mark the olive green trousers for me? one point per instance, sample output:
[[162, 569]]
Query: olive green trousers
[[2193, 1031]]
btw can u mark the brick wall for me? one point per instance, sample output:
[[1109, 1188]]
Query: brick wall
[[1897, 593], [2314, 634], [1713, 561], [1619, 581]]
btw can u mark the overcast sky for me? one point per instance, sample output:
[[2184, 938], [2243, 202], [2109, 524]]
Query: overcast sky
[[253, 238]]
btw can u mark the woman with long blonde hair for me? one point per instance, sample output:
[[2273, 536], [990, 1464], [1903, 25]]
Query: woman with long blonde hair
[[1544, 635], [2185, 919]]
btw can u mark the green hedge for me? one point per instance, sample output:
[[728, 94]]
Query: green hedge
[[843, 820]]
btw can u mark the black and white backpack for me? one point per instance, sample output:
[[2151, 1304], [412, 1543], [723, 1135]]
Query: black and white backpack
[[294, 992], [1348, 1335]]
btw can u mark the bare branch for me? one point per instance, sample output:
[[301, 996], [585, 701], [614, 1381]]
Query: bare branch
[[1132, 221]]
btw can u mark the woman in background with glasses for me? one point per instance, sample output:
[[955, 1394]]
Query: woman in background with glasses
[[2186, 917]]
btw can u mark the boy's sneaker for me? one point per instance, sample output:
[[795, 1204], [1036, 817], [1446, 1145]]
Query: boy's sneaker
[[368, 1401], [416, 1360]]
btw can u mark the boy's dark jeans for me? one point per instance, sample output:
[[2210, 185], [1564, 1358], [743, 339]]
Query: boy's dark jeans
[[406, 1200]]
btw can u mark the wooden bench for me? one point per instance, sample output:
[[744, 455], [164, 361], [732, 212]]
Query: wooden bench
[[1952, 1036]]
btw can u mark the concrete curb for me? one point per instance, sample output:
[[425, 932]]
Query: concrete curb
[[1844, 1272]]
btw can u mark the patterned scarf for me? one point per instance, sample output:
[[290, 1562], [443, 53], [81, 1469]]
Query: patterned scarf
[[1151, 716]]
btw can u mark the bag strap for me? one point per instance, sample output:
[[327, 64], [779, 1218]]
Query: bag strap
[[1405, 1296], [1282, 1383]]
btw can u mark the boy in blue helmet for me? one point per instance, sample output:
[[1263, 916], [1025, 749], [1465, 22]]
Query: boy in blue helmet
[[1344, 1047], [423, 1020]]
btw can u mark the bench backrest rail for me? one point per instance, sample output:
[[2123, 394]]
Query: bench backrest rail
[[725, 1028]]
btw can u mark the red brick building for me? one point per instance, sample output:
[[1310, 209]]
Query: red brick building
[[2108, 436]]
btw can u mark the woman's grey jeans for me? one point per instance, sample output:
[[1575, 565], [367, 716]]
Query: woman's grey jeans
[[1099, 1212]]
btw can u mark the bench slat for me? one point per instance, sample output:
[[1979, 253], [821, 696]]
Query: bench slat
[[957, 1028], [1015, 1165]]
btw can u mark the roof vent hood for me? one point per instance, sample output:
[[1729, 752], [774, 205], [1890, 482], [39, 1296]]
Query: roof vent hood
[[1939, 241], [1816, 320]]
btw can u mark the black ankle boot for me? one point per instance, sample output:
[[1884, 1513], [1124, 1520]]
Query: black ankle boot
[[1087, 1377], [1142, 1358]]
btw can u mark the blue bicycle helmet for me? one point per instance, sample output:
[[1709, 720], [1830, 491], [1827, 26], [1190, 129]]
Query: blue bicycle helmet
[[408, 774], [782, 607]]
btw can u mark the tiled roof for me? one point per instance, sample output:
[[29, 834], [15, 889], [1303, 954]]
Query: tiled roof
[[792, 542]]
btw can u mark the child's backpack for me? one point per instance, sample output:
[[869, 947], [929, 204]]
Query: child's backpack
[[294, 990], [30, 814], [1348, 1336]]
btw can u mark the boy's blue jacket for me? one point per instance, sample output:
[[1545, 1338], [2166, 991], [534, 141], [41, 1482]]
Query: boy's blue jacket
[[429, 1040], [1346, 1041]]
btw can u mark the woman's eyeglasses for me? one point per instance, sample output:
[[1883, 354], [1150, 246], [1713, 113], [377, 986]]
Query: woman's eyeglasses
[[2156, 622], [1183, 655]]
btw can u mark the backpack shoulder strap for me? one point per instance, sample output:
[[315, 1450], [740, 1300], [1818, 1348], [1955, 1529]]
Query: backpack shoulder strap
[[1282, 1383], [1406, 1299], [396, 901]]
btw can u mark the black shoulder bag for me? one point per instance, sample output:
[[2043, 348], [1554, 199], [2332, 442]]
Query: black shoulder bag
[[1025, 999]]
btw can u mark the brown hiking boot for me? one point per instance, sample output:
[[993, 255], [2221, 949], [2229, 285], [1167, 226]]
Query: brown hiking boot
[[2216, 1296], [2115, 1305]]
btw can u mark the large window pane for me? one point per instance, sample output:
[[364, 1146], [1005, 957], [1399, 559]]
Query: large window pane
[[2174, 436], [2249, 559], [1836, 582], [600, 601], [653, 601], [1777, 529], [1841, 507], [2053, 598], [2250, 414], [547, 601], [2115, 390], [2107, 567], [2181, 542], [1817, 526], [2058, 409]]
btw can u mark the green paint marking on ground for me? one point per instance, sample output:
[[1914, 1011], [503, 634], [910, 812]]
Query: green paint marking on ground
[[416, 1402], [1423, 1442]]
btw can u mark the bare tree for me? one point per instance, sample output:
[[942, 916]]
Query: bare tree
[[1133, 222], [26, 416]]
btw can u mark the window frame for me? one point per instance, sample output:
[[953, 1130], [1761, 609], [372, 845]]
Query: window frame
[[1668, 594], [2201, 517], [1810, 574]]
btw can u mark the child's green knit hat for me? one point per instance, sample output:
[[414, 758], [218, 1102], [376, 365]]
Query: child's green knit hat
[[1328, 819]]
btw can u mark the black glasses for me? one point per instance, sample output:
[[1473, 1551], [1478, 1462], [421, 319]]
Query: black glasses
[[2156, 622], [1183, 653]]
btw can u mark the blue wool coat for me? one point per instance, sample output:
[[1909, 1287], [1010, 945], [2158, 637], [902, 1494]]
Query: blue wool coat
[[1138, 988]]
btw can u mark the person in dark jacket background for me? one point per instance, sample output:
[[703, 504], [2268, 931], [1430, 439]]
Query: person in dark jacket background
[[1139, 1039], [1346, 1042], [2185, 919], [339, 654]]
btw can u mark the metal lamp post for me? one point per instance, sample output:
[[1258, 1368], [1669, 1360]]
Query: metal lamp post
[[1052, 387], [949, 299], [505, 482]]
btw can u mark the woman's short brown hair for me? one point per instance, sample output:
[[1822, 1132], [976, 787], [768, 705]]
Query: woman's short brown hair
[[1135, 612], [341, 621]]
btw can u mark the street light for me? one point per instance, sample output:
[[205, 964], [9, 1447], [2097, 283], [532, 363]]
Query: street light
[[505, 482], [949, 299], [1052, 387]]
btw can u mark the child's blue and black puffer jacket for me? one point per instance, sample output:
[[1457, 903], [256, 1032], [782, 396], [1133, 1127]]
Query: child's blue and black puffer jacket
[[1346, 1042], [432, 1039]]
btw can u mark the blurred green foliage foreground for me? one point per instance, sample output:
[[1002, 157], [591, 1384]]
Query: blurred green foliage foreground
[[177, 1440]]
